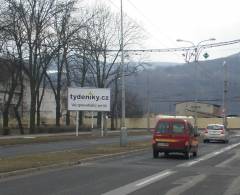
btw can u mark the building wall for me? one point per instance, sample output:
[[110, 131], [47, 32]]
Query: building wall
[[141, 123], [48, 105], [203, 110]]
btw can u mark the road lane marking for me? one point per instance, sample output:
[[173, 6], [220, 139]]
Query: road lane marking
[[237, 135], [234, 187], [131, 187], [208, 156], [189, 183], [224, 163], [154, 178]]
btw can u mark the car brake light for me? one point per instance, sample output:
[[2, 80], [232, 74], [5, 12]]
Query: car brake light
[[205, 131], [222, 131]]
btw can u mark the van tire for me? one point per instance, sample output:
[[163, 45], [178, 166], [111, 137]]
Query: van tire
[[166, 154], [187, 155], [155, 153], [195, 154]]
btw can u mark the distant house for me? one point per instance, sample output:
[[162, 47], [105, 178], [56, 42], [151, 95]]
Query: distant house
[[6, 68], [48, 105], [204, 110]]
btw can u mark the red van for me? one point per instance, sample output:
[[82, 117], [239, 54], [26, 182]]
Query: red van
[[174, 135]]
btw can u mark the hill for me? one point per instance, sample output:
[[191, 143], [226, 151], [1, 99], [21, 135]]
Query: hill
[[167, 85]]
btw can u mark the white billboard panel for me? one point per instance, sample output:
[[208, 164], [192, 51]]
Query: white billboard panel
[[89, 99]]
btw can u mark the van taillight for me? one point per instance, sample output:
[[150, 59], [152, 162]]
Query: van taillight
[[205, 131], [222, 131], [153, 141]]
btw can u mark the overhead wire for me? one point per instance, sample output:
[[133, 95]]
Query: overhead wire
[[144, 29], [118, 8], [174, 50], [153, 24], [205, 46]]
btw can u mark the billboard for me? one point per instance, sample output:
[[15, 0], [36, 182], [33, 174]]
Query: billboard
[[89, 99]]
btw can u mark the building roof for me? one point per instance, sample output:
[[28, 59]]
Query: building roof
[[215, 105]]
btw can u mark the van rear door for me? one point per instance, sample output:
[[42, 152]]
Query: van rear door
[[179, 134], [162, 134], [171, 134]]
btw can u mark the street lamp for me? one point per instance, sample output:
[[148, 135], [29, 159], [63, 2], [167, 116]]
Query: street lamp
[[194, 53], [123, 131], [197, 48], [225, 90]]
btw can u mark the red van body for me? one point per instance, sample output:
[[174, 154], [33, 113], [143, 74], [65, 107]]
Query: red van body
[[174, 135]]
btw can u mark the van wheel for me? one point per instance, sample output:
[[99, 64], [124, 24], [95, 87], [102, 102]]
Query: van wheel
[[166, 154], [155, 154], [187, 155], [194, 154]]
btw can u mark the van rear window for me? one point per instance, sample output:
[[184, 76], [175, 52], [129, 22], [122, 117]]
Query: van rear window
[[178, 128], [163, 127], [168, 127]]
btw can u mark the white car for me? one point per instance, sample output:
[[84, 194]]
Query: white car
[[215, 132]]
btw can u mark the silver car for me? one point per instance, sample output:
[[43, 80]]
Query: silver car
[[215, 132]]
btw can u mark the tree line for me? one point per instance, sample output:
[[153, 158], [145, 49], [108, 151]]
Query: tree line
[[67, 36]]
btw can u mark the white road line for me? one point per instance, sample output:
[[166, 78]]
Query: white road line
[[129, 188], [224, 163], [208, 156], [189, 183], [154, 178], [234, 188], [237, 135]]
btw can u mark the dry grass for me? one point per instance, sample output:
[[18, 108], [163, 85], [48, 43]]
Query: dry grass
[[56, 138], [64, 157], [41, 139]]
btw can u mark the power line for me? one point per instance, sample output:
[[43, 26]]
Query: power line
[[118, 8], [181, 48], [150, 21], [155, 26], [148, 32], [156, 99]]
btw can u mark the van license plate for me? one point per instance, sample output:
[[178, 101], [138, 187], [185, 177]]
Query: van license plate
[[163, 144]]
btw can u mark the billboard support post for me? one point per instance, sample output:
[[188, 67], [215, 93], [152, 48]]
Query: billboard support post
[[77, 122], [89, 99], [102, 124], [92, 120]]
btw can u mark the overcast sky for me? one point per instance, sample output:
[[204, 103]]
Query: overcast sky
[[165, 21]]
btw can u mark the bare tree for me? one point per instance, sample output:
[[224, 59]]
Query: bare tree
[[35, 17], [12, 84], [103, 36], [65, 27]]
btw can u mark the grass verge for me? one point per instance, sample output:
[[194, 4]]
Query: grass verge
[[31, 139], [65, 157]]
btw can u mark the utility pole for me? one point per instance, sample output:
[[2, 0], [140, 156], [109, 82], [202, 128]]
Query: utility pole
[[123, 131], [225, 91], [148, 102]]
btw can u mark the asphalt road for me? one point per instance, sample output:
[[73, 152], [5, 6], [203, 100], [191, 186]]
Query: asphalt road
[[25, 149], [215, 171]]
